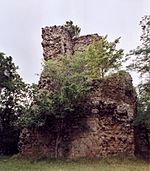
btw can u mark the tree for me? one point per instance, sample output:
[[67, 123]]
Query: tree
[[73, 30], [12, 104], [52, 106], [141, 64], [142, 61], [103, 57]]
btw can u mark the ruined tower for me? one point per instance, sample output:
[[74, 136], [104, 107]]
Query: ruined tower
[[106, 127], [57, 41]]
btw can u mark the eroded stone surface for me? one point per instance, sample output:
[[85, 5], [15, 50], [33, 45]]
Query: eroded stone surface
[[57, 41], [105, 127], [104, 130]]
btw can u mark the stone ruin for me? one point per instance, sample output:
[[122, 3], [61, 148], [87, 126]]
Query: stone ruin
[[104, 129], [57, 41]]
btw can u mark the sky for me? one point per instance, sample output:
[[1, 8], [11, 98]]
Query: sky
[[21, 22]]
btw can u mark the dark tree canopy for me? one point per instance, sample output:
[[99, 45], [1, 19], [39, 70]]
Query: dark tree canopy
[[141, 64], [12, 104]]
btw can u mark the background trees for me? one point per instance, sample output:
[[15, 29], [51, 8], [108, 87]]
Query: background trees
[[141, 64], [12, 104]]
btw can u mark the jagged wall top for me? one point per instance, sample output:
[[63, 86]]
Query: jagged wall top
[[57, 41]]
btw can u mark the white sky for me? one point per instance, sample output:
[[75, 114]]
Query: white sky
[[21, 22]]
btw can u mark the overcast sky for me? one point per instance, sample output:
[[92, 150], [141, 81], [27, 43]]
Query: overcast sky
[[21, 22]]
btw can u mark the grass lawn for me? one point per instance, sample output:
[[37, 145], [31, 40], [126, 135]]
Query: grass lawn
[[113, 164]]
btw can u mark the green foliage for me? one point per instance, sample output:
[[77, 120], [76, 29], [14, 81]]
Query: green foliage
[[142, 61], [27, 115], [141, 64], [143, 117], [10, 91], [73, 30], [12, 101], [67, 87], [103, 57], [68, 79]]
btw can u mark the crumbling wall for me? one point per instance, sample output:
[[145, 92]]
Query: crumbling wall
[[103, 128], [80, 43], [57, 41], [112, 106]]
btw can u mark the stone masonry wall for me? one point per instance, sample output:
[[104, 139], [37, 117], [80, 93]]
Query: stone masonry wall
[[57, 41], [105, 126]]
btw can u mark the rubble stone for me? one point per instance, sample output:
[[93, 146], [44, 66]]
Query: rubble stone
[[105, 129]]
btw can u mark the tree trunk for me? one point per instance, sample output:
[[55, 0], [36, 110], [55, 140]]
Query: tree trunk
[[57, 145], [58, 138], [148, 139]]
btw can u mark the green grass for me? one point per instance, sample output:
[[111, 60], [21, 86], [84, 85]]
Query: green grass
[[113, 164]]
